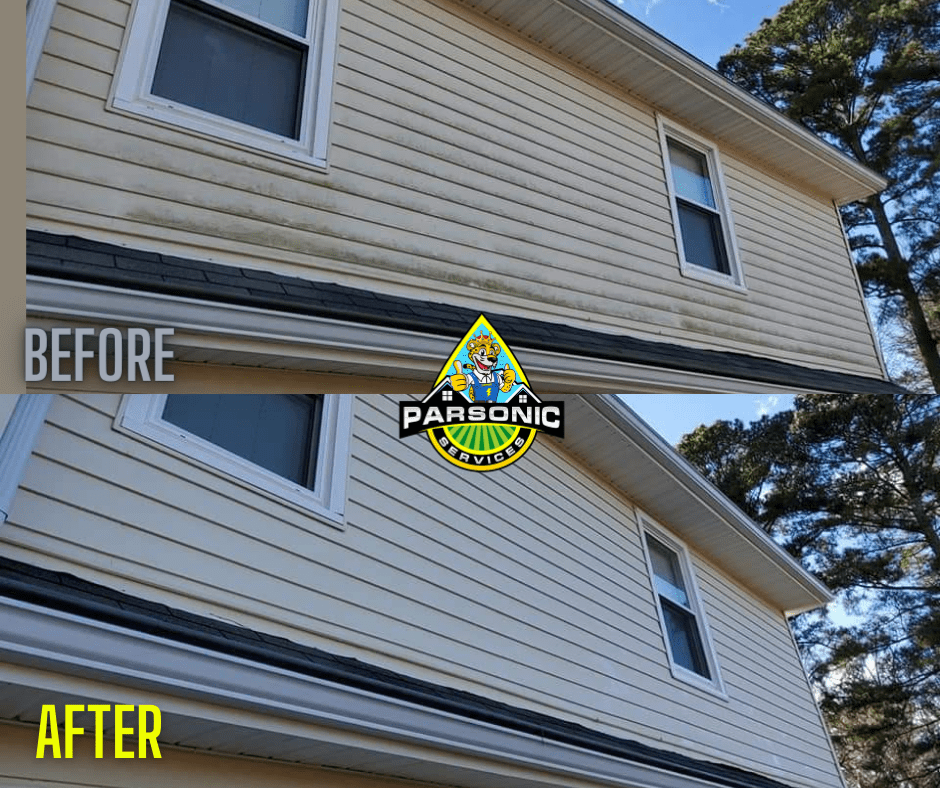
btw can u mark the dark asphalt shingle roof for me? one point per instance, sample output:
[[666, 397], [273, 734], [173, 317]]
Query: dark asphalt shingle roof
[[78, 259], [71, 594]]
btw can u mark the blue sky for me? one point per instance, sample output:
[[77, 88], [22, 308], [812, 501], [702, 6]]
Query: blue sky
[[673, 415], [705, 28]]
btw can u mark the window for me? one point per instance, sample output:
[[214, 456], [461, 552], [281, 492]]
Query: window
[[705, 233], [684, 631], [291, 447], [257, 72]]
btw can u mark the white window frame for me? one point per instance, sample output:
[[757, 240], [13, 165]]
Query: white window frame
[[142, 415], [130, 90], [714, 685], [734, 279]]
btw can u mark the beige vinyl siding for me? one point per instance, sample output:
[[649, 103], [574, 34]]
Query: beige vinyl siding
[[466, 167], [542, 599], [19, 767]]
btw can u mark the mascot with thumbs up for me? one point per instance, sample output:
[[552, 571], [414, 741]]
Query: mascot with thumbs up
[[481, 379]]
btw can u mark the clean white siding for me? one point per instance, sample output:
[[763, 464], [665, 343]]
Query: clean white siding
[[467, 167], [527, 585]]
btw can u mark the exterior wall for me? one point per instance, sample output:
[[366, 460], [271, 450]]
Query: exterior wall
[[19, 767], [542, 601], [466, 167]]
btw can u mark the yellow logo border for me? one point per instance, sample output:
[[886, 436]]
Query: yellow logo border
[[481, 325]]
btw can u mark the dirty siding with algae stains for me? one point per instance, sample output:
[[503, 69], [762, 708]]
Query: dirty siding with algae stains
[[466, 167]]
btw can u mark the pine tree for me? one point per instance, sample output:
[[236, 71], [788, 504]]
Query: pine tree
[[850, 485], [865, 75]]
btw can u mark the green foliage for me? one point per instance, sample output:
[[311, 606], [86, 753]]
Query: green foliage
[[850, 485], [865, 75], [738, 459]]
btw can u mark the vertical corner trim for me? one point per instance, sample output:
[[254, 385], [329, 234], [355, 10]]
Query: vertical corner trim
[[16, 444], [38, 20], [876, 342]]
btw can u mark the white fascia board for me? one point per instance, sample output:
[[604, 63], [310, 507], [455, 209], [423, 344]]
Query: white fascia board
[[49, 640], [383, 351], [679, 468]]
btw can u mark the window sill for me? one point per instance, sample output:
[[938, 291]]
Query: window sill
[[220, 130], [693, 679], [139, 417], [726, 281]]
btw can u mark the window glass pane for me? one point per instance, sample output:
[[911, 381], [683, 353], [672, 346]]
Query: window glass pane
[[214, 65], [276, 432], [690, 174], [684, 639], [287, 14], [666, 573], [702, 241]]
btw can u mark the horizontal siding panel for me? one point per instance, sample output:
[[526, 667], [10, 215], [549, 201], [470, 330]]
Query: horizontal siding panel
[[186, 164], [88, 53], [381, 98], [90, 27], [809, 219], [386, 180], [528, 585], [416, 47], [644, 716], [113, 11], [522, 72], [80, 78], [328, 236]]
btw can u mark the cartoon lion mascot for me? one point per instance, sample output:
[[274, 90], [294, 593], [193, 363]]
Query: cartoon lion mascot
[[480, 379]]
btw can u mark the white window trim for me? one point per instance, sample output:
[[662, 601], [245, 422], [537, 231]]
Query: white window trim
[[141, 415], [715, 685], [735, 279], [130, 91], [38, 21]]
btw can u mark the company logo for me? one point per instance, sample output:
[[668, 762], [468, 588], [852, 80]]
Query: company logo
[[481, 414]]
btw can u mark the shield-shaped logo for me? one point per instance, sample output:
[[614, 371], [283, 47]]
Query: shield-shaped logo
[[481, 414]]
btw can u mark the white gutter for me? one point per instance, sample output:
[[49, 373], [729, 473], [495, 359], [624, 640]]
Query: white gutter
[[316, 344], [245, 695]]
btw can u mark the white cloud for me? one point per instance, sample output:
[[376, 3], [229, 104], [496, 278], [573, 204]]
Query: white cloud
[[768, 405], [649, 5]]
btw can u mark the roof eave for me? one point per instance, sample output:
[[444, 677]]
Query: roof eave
[[753, 128], [692, 506]]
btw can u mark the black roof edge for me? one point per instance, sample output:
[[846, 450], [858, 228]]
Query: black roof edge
[[67, 593], [76, 259]]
